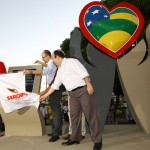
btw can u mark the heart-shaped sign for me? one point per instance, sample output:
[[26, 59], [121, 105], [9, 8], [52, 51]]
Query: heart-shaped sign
[[114, 31]]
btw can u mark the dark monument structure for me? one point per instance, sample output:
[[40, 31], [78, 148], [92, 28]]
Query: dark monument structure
[[102, 75], [111, 33]]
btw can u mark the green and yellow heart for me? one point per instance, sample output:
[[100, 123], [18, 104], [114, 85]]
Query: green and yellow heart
[[114, 31]]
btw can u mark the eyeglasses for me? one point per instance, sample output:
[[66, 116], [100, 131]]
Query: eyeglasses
[[44, 56]]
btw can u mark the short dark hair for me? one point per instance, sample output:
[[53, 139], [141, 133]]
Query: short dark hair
[[59, 53], [47, 52]]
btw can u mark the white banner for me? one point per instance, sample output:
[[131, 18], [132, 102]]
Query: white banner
[[13, 95]]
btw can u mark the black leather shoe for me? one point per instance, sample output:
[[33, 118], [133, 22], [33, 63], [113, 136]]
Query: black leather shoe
[[60, 133], [97, 146], [50, 134], [70, 142], [53, 138]]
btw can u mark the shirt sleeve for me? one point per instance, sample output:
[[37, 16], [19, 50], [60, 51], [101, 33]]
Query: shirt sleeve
[[51, 68], [79, 68], [57, 81]]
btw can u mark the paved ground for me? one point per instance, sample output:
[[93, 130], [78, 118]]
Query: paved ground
[[115, 137]]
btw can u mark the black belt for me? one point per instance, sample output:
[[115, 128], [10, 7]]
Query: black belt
[[77, 88]]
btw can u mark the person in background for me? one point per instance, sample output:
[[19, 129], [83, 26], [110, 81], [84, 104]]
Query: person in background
[[2, 126], [76, 80], [83, 128], [2, 68], [44, 112], [50, 116], [129, 116], [110, 116], [50, 70], [65, 112]]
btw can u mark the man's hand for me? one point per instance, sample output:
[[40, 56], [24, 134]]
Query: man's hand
[[43, 97], [27, 72], [48, 91], [90, 89], [45, 91], [38, 62], [42, 93]]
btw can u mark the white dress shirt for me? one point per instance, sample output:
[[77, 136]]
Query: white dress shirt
[[49, 71], [71, 74]]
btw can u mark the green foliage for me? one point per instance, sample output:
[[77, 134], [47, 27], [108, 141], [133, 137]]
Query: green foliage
[[65, 47], [120, 113]]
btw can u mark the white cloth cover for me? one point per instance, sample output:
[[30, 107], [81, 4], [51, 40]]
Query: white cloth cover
[[12, 93]]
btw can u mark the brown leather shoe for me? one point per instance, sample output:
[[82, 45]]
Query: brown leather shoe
[[66, 137], [2, 133], [83, 137]]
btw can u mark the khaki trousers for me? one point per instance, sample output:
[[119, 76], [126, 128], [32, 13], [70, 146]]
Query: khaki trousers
[[81, 101], [83, 128]]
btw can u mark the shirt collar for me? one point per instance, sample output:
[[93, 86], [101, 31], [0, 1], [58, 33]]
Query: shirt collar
[[63, 62]]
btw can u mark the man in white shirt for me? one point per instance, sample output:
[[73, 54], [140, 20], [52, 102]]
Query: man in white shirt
[[50, 70], [76, 80]]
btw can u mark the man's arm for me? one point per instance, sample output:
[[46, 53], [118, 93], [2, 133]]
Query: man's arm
[[37, 72], [42, 63], [50, 91], [90, 88], [45, 91]]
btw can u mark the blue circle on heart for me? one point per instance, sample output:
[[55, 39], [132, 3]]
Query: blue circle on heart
[[94, 14]]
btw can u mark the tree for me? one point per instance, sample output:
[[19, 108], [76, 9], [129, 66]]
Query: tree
[[65, 46]]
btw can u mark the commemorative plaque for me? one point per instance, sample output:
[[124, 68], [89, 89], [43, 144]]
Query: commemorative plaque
[[33, 82]]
